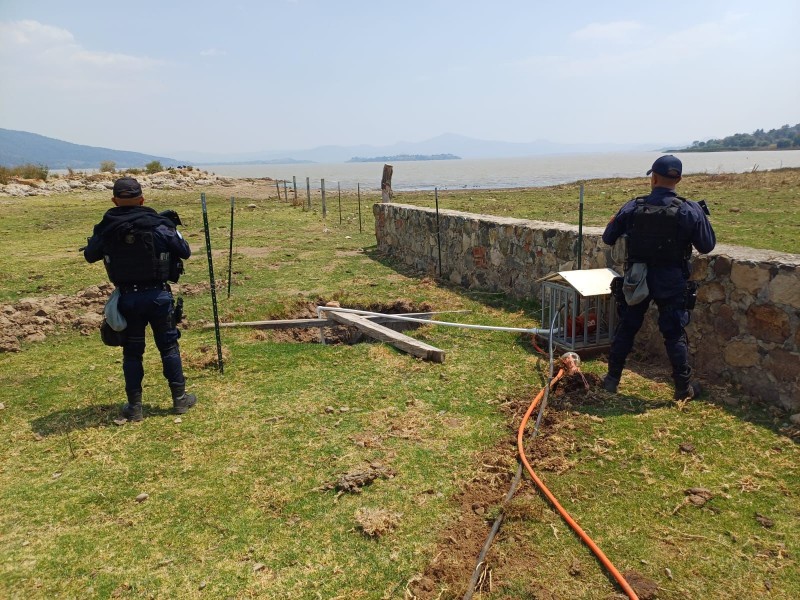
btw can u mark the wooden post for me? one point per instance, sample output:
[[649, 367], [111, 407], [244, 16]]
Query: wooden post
[[339, 188], [294, 186], [386, 183], [278, 188], [308, 192], [324, 208]]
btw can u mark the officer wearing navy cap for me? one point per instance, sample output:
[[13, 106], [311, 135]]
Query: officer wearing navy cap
[[142, 250], [661, 229]]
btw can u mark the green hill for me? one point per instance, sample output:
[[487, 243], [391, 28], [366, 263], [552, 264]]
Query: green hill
[[20, 147], [784, 138]]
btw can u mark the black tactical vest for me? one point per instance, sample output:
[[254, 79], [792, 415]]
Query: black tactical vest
[[654, 235], [130, 256]]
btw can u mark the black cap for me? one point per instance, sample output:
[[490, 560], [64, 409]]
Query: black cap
[[667, 166], [127, 187]]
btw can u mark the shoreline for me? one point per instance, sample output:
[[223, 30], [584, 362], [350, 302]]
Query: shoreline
[[189, 179]]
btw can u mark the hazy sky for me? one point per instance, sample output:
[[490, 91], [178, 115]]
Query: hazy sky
[[164, 76]]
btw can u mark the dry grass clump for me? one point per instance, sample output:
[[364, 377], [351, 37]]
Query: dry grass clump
[[376, 522]]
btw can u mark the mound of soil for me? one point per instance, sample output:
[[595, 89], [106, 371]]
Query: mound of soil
[[33, 319]]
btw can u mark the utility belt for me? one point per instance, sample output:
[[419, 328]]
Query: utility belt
[[690, 294], [127, 288]]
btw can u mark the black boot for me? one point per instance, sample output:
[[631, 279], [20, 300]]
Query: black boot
[[692, 390], [132, 409], [610, 384], [181, 401], [685, 389]]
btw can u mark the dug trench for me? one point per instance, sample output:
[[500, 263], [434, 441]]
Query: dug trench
[[338, 334], [33, 319], [556, 449]]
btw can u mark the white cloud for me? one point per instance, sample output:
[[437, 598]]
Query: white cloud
[[213, 52], [30, 50], [31, 34], [618, 31], [691, 49]]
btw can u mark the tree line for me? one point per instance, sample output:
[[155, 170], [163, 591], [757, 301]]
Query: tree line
[[784, 138]]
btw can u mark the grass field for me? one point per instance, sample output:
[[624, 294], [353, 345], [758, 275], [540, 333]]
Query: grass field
[[758, 210], [239, 501]]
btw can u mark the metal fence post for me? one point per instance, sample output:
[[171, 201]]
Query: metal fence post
[[324, 208]]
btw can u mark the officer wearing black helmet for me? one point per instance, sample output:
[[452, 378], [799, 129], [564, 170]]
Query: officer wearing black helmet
[[142, 250], [661, 229]]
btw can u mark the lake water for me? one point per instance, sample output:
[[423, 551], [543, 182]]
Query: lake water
[[534, 171]]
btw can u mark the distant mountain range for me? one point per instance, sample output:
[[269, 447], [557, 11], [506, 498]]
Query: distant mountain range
[[21, 147], [448, 143], [404, 157]]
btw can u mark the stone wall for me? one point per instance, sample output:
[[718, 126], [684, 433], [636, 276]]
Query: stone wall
[[745, 328]]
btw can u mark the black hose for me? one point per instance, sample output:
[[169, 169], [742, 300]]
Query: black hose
[[478, 570]]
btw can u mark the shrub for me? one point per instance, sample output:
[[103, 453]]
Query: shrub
[[27, 171], [153, 167], [108, 166]]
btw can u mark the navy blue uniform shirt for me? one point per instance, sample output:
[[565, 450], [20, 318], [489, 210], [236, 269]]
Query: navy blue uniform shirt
[[667, 280], [167, 238]]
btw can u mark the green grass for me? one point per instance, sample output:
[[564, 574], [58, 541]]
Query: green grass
[[758, 210], [237, 503]]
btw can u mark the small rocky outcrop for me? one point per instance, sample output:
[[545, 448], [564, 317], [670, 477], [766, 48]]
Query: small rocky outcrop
[[172, 179]]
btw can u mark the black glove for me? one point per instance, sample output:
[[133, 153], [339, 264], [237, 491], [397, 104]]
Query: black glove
[[172, 216]]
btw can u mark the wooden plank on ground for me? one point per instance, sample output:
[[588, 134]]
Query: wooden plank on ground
[[279, 324], [384, 334], [305, 323]]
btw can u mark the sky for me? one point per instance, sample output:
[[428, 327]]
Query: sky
[[166, 76]]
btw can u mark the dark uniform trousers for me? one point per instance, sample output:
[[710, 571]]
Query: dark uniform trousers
[[154, 307], [672, 318]]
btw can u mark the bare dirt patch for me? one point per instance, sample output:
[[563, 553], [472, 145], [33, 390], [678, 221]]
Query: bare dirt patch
[[481, 498], [34, 319], [354, 480]]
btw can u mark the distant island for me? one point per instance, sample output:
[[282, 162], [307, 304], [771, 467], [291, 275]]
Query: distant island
[[784, 138], [404, 157]]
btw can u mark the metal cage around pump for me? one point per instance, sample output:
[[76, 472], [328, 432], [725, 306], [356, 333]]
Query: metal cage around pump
[[581, 308]]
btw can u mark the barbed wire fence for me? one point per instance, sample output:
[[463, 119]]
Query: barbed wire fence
[[344, 200]]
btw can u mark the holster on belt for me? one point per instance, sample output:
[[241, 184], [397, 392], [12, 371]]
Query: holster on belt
[[617, 291]]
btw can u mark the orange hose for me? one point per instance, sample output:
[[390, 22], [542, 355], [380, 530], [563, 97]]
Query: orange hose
[[607, 564]]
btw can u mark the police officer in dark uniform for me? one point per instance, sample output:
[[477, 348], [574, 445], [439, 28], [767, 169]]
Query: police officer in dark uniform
[[661, 229], [142, 250]]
